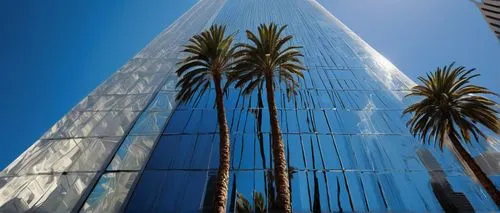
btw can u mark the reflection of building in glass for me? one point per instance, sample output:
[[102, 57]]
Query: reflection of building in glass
[[489, 162], [491, 12], [129, 147], [450, 201]]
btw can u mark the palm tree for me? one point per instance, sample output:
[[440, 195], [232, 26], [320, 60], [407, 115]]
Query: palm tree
[[449, 111], [209, 58], [262, 62]]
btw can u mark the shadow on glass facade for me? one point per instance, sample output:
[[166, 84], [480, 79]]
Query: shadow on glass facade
[[129, 147]]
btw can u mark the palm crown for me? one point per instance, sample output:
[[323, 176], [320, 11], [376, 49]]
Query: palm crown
[[451, 107], [210, 56], [265, 58]]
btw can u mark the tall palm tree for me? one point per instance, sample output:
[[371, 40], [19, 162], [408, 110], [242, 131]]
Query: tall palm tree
[[269, 58], [210, 56], [449, 111]]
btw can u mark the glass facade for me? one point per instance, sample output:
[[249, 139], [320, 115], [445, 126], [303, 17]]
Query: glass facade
[[129, 147]]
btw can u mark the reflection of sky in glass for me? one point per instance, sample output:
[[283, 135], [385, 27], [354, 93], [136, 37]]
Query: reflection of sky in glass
[[410, 34], [345, 139]]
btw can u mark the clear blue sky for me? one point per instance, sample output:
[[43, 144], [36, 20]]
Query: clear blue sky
[[54, 52]]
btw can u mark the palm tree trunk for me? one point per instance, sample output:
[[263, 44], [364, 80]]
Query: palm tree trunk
[[280, 165], [478, 173], [220, 196], [268, 186]]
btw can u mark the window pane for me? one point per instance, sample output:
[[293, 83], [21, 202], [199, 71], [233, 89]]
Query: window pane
[[43, 193], [168, 191], [164, 101], [110, 192], [263, 150], [87, 154], [338, 194], [177, 121], [173, 152], [243, 151], [300, 192], [296, 153], [150, 123], [329, 152], [133, 153], [203, 148]]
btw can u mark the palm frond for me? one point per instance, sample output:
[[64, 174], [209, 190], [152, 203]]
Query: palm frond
[[209, 54], [451, 107], [267, 57]]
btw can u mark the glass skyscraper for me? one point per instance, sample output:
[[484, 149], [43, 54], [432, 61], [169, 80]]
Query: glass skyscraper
[[129, 147]]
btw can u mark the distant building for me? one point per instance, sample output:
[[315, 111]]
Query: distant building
[[491, 12]]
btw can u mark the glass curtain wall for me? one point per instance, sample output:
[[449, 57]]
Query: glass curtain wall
[[346, 143], [129, 147]]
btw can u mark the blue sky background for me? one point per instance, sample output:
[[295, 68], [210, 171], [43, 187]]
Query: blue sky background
[[54, 52]]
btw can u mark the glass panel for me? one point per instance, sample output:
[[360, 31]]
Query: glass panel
[[194, 122], [113, 124], [177, 121], [164, 101], [470, 192], [339, 199], [319, 122], [202, 121], [208, 123], [132, 102], [243, 151], [146, 83], [292, 123], [263, 150], [244, 194], [170, 83], [202, 150], [296, 153], [71, 124], [329, 153], [173, 152], [43, 193], [324, 100], [262, 192], [133, 153], [356, 192], [110, 192], [304, 121], [318, 191], [251, 121], [95, 103], [372, 191], [169, 191], [86, 154], [150, 123], [84, 125], [300, 193], [214, 156], [311, 151], [398, 152]]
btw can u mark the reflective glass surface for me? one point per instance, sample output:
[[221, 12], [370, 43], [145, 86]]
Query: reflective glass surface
[[109, 193], [79, 154], [43, 193], [151, 71], [346, 142], [129, 146]]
